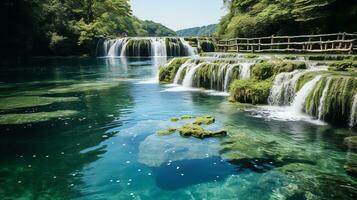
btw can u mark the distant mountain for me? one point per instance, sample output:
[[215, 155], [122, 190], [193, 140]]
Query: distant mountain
[[198, 31], [154, 29]]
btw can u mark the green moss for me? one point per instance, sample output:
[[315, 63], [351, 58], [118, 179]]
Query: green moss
[[83, 87], [31, 101], [251, 91], [199, 132], [204, 120], [174, 119], [288, 67], [342, 65], [304, 79], [167, 131], [263, 70], [167, 73], [328, 57], [12, 119], [186, 117], [250, 56]]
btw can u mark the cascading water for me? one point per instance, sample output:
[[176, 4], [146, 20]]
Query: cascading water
[[352, 121], [187, 65], [245, 70], [323, 98], [115, 48], [283, 90], [158, 47], [188, 80], [190, 51], [300, 97], [228, 77]]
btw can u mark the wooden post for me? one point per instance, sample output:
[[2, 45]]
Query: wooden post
[[288, 42], [237, 45], [259, 47], [321, 43]]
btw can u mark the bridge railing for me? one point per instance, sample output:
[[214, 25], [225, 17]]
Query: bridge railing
[[323, 43]]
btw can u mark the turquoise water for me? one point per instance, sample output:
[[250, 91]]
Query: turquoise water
[[96, 139]]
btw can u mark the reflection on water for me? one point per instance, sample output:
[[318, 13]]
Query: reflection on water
[[109, 149]]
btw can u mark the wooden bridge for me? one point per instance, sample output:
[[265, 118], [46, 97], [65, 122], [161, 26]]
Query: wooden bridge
[[324, 43]]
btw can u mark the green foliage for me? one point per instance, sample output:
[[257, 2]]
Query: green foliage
[[252, 18], [68, 27]]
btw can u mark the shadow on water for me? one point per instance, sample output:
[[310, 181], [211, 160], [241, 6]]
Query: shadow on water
[[180, 174]]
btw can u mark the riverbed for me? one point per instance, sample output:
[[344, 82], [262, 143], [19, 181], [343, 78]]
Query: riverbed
[[86, 128]]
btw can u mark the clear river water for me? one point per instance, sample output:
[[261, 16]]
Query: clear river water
[[86, 128]]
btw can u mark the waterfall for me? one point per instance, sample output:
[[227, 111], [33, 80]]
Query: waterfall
[[245, 70], [190, 51], [284, 86], [151, 46], [300, 97], [114, 48], [228, 77], [158, 47], [322, 99], [353, 111], [188, 80], [188, 64]]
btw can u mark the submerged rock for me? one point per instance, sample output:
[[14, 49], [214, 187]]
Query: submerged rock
[[351, 164], [351, 142], [173, 148]]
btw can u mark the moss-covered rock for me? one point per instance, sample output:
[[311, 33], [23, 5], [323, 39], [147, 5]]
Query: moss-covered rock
[[204, 120], [263, 70], [338, 98], [167, 72], [251, 91], [199, 132]]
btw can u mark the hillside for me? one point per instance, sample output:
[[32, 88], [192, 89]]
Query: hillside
[[154, 29], [251, 18], [198, 31]]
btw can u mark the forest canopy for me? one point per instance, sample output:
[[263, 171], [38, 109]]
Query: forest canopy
[[68, 27], [252, 18]]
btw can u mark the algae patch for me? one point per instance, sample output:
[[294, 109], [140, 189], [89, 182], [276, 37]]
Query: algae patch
[[12, 119], [167, 131], [31, 101], [204, 120]]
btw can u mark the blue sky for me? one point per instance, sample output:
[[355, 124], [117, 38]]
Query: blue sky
[[179, 14]]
